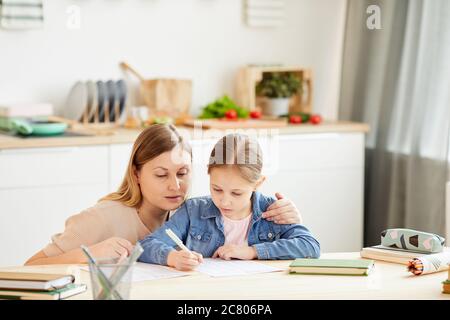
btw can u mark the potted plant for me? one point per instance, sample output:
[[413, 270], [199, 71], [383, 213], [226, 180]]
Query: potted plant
[[279, 87]]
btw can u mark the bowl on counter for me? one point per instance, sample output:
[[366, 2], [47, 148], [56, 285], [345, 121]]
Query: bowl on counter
[[38, 127]]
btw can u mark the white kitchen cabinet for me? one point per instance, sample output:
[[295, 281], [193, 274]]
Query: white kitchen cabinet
[[321, 150], [34, 167], [330, 202], [323, 174], [118, 162], [40, 188], [30, 216]]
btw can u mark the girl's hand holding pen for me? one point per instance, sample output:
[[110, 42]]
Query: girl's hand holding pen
[[184, 260]]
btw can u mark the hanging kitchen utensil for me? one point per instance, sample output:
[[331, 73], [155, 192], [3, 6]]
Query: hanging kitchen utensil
[[93, 101], [122, 89], [102, 102]]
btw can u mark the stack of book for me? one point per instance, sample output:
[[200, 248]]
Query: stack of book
[[446, 283], [332, 267], [38, 286]]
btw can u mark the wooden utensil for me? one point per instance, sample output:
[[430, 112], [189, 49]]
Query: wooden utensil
[[164, 97], [71, 123]]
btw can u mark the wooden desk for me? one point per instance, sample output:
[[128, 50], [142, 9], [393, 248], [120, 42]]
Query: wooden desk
[[388, 281]]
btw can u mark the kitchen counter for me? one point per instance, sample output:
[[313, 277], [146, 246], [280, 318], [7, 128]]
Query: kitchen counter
[[122, 135]]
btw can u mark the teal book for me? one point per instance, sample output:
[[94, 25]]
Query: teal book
[[354, 267], [57, 294]]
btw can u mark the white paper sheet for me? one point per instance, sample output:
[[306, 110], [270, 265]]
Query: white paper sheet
[[146, 272], [224, 268], [211, 267]]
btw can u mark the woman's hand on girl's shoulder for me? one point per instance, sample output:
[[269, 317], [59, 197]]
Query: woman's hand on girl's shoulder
[[283, 211]]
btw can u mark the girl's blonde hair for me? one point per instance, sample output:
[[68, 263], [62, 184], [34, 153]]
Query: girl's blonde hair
[[241, 151], [152, 142]]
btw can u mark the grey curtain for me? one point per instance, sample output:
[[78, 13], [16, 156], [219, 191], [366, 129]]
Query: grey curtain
[[397, 79]]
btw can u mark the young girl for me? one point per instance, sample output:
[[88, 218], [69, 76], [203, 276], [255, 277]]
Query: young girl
[[228, 224]]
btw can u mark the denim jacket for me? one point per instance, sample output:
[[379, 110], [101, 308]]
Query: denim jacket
[[199, 224]]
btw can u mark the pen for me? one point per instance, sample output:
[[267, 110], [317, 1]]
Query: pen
[[177, 240], [104, 281]]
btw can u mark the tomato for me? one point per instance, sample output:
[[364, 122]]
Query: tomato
[[255, 114], [315, 119], [231, 114], [295, 119]]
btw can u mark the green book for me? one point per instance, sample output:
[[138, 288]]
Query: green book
[[357, 267], [58, 294]]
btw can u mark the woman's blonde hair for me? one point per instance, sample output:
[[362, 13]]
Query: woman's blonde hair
[[152, 142], [241, 151]]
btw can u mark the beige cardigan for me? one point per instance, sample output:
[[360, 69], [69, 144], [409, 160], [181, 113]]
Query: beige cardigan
[[104, 220]]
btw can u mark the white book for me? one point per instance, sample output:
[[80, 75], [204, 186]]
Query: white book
[[390, 254], [58, 294], [34, 281]]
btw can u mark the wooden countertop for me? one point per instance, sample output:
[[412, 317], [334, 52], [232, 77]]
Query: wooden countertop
[[122, 135], [387, 281]]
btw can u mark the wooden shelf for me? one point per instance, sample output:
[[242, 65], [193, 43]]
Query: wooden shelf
[[248, 77]]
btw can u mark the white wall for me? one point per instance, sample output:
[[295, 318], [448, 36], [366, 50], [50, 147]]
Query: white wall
[[205, 40]]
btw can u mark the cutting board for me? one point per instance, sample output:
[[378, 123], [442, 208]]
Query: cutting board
[[236, 124]]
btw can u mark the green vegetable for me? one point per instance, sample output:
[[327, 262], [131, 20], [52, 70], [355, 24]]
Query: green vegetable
[[305, 117], [218, 108]]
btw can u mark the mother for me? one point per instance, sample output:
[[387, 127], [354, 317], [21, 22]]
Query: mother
[[156, 182]]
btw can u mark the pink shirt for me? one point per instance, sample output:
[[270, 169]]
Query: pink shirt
[[236, 231], [104, 220]]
